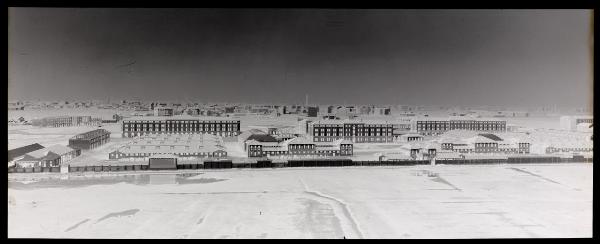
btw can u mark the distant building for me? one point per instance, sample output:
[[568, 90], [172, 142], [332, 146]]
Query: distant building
[[570, 123], [163, 111], [330, 109], [90, 140], [135, 126], [313, 111], [229, 110], [115, 119], [66, 121], [193, 111], [381, 111], [411, 137]]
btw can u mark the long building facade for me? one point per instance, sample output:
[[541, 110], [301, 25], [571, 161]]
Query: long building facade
[[486, 143], [355, 131], [180, 146], [436, 127], [133, 127], [301, 147], [66, 121]]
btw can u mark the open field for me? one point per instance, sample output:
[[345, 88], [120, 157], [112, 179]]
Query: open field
[[22, 135], [485, 201]]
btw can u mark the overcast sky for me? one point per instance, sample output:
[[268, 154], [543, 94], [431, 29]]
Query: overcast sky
[[448, 57]]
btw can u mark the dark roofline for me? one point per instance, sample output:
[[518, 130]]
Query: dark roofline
[[262, 138], [17, 152], [491, 136]]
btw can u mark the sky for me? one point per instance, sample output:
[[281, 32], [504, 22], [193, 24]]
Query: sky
[[429, 57]]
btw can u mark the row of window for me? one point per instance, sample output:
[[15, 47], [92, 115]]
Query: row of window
[[214, 154], [461, 122], [460, 127], [259, 153], [136, 133]]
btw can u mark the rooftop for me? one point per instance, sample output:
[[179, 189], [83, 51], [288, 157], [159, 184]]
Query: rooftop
[[91, 134], [56, 149], [18, 152], [174, 143], [491, 136], [262, 138]]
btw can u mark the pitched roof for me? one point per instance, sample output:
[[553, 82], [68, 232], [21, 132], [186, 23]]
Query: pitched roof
[[300, 140], [262, 138], [18, 152], [491, 136], [59, 149]]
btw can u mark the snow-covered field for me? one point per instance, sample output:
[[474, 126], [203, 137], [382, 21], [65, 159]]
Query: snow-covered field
[[22, 135], [486, 201]]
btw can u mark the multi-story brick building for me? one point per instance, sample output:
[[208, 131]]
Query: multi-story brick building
[[352, 130], [439, 126], [136, 126]]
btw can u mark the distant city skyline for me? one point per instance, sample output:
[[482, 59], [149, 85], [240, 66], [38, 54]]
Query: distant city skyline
[[514, 58]]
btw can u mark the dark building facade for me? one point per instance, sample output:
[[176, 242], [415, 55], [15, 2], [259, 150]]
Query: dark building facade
[[358, 132], [313, 111], [90, 140], [434, 127], [147, 125]]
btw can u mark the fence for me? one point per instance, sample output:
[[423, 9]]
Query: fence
[[34, 170], [258, 164], [224, 164], [108, 168], [227, 164], [517, 160]]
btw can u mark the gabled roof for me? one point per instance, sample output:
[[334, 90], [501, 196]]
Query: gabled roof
[[480, 139], [491, 136], [59, 149], [18, 152], [300, 140], [262, 138], [39, 155]]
